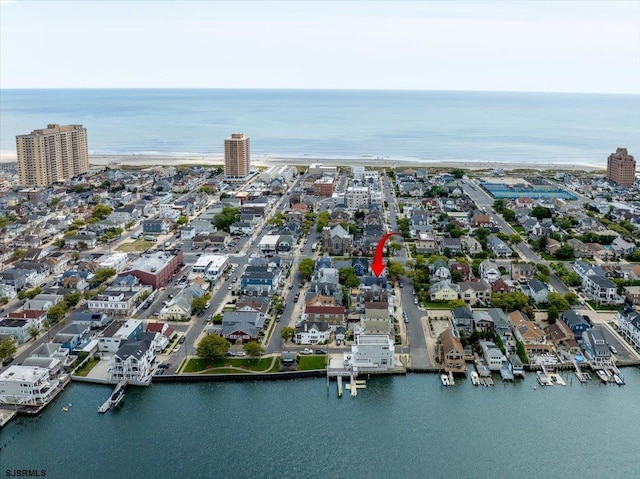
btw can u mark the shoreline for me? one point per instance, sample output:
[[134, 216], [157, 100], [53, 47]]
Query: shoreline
[[267, 161]]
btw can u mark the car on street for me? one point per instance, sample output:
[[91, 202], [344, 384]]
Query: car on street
[[176, 349], [321, 351], [613, 349], [306, 351]]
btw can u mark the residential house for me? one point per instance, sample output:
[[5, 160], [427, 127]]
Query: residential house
[[562, 336], [482, 321], [252, 304], [580, 250], [241, 327], [440, 271], [489, 271], [501, 286], [17, 329], [533, 337], [444, 291], [632, 294], [133, 361], [475, 292], [426, 243], [312, 332], [601, 290], [471, 245], [27, 385], [451, 245], [595, 346], [538, 291], [576, 322], [117, 333], [628, 323], [502, 327], [492, 355], [522, 272], [451, 352], [622, 247], [462, 321], [498, 247], [371, 353], [331, 314]]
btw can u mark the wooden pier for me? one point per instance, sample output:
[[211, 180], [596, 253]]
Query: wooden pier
[[109, 402]]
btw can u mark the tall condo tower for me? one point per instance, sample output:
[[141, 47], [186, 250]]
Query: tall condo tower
[[54, 153], [621, 168], [237, 156]]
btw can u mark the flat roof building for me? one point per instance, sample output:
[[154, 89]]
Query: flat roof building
[[621, 168], [55, 153], [237, 156]]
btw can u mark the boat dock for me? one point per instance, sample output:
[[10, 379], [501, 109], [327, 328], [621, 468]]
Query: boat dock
[[543, 379], [475, 380], [114, 398], [6, 415], [356, 384], [579, 374], [488, 381]]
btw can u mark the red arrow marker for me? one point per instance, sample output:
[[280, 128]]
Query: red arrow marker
[[378, 265]]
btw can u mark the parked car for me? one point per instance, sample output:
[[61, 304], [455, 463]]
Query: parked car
[[613, 349], [321, 351]]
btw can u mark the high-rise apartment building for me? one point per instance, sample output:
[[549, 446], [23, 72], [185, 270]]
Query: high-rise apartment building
[[55, 153], [237, 156], [621, 168]]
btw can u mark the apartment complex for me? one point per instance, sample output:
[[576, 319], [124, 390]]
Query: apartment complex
[[621, 168], [237, 156], [55, 153]]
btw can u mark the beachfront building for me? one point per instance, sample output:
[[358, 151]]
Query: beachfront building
[[52, 154], [26, 385], [621, 168], [237, 156], [372, 352]]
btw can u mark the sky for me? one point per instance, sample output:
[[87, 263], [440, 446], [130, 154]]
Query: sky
[[574, 46]]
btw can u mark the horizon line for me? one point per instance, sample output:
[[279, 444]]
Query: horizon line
[[408, 90]]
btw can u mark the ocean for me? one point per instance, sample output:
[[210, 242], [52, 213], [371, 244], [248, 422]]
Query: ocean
[[427, 126], [398, 427]]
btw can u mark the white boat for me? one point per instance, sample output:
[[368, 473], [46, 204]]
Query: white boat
[[117, 397], [602, 375], [619, 381], [475, 379], [445, 379], [543, 379]]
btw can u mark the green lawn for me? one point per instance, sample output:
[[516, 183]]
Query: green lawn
[[308, 363], [605, 307], [432, 305], [196, 365], [135, 246], [89, 365]]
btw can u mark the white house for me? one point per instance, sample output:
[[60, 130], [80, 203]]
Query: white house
[[133, 361], [313, 332], [628, 322], [26, 385], [489, 271], [372, 352], [492, 355]]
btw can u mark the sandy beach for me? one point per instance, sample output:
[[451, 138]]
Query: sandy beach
[[266, 161]]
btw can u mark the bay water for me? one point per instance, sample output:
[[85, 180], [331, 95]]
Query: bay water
[[398, 427]]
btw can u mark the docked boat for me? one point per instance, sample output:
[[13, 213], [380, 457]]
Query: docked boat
[[619, 381], [117, 397], [602, 375], [445, 380], [475, 379], [543, 379]]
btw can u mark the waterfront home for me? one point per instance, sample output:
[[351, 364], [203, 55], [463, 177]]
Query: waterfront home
[[628, 323], [595, 346], [371, 353], [451, 352], [576, 322], [26, 385], [492, 355], [133, 361], [241, 327], [515, 365], [53, 351], [561, 335]]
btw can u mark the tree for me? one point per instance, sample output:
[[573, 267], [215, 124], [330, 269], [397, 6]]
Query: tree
[[199, 304], [182, 220], [395, 269], [509, 215], [306, 267], [571, 298], [564, 252], [323, 220], [515, 238], [253, 349], [498, 205], [456, 303], [212, 346], [73, 299], [393, 247], [540, 212], [101, 211], [101, 275], [57, 312], [522, 352], [8, 348], [558, 301], [552, 314], [287, 333], [457, 173], [226, 218], [33, 332], [348, 277], [510, 301], [277, 220]]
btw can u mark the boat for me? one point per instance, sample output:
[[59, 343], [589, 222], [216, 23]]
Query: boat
[[444, 379], [117, 397], [602, 375], [65, 409], [543, 379], [619, 381], [475, 380]]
